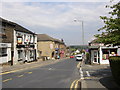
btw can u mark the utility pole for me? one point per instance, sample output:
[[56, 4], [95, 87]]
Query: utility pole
[[82, 29]]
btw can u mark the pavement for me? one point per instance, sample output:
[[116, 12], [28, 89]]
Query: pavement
[[97, 77], [39, 63]]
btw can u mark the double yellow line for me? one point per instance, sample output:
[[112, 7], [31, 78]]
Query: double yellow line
[[74, 84], [27, 68]]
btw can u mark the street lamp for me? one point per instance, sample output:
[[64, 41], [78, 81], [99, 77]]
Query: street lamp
[[75, 20]]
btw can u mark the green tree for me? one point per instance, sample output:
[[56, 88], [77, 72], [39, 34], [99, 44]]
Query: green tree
[[111, 35]]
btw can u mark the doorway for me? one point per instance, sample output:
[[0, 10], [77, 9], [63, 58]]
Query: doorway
[[95, 56]]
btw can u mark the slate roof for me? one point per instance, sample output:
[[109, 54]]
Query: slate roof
[[22, 29], [45, 37]]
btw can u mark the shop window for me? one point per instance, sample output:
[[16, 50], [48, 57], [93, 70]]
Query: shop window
[[19, 54], [113, 52], [3, 52], [31, 54], [105, 54]]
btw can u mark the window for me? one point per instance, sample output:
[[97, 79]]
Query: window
[[105, 54], [3, 52], [2, 31], [19, 54], [24, 38], [19, 40], [31, 53]]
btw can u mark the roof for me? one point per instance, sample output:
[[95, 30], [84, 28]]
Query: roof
[[17, 26], [22, 29], [45, 37]]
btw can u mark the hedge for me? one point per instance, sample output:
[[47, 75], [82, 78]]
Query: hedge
[[115, 67]]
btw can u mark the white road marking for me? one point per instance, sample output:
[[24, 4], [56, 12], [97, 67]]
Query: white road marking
[[50, 69], [88, 74], [81, 74]]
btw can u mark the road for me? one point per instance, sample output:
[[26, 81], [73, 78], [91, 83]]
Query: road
[[58, 75]]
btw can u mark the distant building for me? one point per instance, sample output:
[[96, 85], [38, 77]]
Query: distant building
[[50, 48], [23, 42], [80, 47]]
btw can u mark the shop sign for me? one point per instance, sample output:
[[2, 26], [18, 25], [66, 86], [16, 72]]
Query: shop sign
[[19, 40], [51, 46], [3, 45]]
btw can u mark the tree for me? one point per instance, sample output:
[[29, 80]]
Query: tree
[[111, 27]]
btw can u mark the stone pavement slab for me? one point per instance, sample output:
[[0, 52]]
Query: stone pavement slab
[[97, 77]]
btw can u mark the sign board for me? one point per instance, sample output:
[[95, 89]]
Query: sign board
[[19, 40], [51, 46]]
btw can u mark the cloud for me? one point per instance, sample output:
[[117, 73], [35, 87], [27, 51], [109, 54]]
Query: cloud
[[58, 0], [56, 17]]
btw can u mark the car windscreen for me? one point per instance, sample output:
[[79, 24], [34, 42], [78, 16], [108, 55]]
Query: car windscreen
[[78, 56]]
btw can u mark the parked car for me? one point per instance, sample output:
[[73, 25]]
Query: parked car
[[71, 56], [79, 57]]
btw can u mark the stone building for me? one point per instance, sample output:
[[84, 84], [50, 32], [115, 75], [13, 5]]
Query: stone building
[[23, 42], [50, 47]]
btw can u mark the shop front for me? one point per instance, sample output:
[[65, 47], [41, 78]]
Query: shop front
[[101, 54], [106, 52], [62, 54], [57, 53], [94, 54], [5, 53]]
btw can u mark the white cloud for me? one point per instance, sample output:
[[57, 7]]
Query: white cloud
[[56, 16], [59, 0], [52, 16]]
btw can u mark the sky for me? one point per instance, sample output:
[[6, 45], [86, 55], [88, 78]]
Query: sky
[[57, 18]]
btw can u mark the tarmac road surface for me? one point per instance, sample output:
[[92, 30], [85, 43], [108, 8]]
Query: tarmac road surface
[[58, 75]]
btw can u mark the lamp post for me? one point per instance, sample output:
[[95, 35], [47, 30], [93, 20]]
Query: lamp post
[[75, 20]]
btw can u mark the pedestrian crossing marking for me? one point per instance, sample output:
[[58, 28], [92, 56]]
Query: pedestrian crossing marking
[[88, 74]]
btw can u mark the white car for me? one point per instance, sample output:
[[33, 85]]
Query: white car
[[79, 57]]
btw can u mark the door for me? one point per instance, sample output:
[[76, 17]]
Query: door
[[95, 56]]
